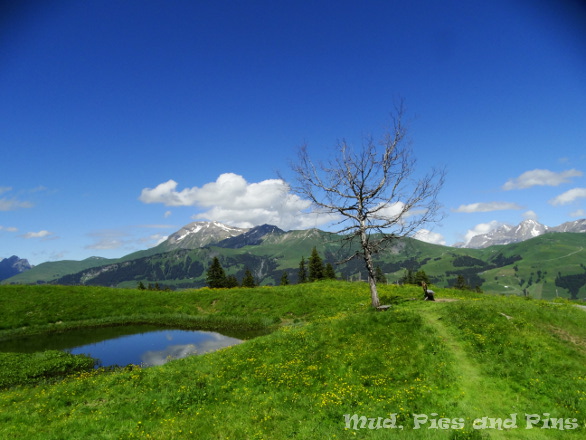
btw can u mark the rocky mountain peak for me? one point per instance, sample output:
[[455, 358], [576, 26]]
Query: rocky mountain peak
[[13, 266], [525, 230], [199, 234]]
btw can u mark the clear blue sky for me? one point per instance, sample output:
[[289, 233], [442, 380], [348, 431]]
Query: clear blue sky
[[122, 121]]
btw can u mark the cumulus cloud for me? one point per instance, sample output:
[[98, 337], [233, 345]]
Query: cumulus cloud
[[569, 196], [233, 200], [41, 234], [8, 228], [481, 228], [429, 237], [578, 213], [541, 178], [487, 207]]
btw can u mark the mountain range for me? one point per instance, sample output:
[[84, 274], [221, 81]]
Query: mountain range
[[527, 229], [13, 266], [544, 266]]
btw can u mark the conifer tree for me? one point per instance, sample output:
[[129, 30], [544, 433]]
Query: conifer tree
[[316, 266], [248, 280], [461, 283], [329, 272], [284, 279], [380, 276], [420, 277], [216, 276], [231, 281], [302, 274]]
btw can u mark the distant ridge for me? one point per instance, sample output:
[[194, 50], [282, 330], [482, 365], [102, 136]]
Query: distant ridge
[[525, 230], [547, 265], [13, 266]]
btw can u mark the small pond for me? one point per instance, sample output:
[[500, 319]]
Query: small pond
[[144, 345]]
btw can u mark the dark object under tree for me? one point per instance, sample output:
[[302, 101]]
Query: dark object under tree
[[373, 191]]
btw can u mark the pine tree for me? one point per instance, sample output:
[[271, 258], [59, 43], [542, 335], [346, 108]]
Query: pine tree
[[461, 283], [302, 274], [231, 281], [316, 266], [141, 286], [408, 278], [420, 277], [216, 276], [284, 279], [380, 276], [329, 272], [248, 280]]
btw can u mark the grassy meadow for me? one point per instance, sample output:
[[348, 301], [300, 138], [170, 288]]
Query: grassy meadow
[[422, 370]]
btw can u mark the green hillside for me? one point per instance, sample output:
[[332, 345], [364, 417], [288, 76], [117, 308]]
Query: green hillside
[[547, 266], [435, 370], [52, 270]]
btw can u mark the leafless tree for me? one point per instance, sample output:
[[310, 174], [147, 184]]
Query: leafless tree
[[374, 192]]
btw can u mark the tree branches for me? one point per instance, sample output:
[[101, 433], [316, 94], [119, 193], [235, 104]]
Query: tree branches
[[373, 191]]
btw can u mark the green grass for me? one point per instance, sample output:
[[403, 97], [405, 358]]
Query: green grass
[[328, 354]]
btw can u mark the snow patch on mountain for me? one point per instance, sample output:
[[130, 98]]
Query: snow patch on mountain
[[527, 229]]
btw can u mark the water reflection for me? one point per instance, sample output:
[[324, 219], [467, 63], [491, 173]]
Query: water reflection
[[140, 345]]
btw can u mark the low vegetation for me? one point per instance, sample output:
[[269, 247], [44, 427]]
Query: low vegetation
[[432, 368]]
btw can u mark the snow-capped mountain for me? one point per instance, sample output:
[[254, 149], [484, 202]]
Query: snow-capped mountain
[[575, 226], [199, 234], [251, 237], [13, 266], [525, 230]]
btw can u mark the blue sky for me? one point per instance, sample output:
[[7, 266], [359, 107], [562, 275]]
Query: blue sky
[[122, 121]]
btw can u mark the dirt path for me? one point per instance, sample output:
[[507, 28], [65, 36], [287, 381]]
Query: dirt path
[[565, 256], [481, 395]]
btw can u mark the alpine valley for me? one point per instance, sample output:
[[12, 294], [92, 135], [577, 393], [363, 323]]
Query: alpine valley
[[530, 259]]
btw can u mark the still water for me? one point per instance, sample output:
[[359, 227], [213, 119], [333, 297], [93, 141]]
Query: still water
[[141, 345]]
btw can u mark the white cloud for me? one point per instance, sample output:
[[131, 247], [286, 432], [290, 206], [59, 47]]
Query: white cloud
[[8, 228], [4, 189], [167, 214], [578, 213], [429, 237], [487, 207], [540, 178], [530, 215], [568, 196], [481, 228], [232, 200], [11, 205], [107, 239], [40, 234], [153, 240]]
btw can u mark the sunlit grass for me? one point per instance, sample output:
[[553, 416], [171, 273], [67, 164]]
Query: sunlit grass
[[329, 354]]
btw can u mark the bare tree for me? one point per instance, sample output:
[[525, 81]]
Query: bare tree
[[374, 192]]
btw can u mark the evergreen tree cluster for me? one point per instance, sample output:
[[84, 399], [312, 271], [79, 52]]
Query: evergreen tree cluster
[[156, 287], [314, 269], [416, 278], [216, 277]]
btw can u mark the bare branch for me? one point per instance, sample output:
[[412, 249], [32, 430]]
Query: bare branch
[[373, 192]]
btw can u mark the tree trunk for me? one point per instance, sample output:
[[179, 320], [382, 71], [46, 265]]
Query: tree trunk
[[371, 278], [373, 292], [368, 262]]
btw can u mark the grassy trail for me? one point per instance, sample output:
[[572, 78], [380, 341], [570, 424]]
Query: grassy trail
[[481, 395]]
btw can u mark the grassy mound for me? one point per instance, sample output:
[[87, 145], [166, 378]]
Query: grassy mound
[[330, 364]]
